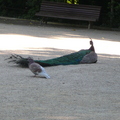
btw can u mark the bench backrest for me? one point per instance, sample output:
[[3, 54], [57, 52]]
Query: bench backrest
[[69, 11]]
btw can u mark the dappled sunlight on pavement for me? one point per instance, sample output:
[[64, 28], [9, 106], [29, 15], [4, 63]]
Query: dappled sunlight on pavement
[[74, 92], [24, 42]]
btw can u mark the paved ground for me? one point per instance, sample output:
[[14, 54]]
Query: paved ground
[[74, 92]]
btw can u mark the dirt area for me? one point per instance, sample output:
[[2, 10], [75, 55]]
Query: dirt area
[[74, 92]]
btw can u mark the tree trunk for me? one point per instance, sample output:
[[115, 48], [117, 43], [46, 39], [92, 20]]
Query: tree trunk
[[112, 13]]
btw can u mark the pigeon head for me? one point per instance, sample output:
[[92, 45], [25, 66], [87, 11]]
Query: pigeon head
[[30, 60]]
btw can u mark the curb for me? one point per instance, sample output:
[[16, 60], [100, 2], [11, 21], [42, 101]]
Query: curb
[[17, 21]]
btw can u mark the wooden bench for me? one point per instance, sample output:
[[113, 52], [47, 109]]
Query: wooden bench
[[88, 13]]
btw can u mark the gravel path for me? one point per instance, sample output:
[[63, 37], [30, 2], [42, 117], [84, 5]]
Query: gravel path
[[74, 92]]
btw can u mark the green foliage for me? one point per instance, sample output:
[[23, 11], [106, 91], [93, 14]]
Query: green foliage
[[32, 7], [70, 1], [19, 8], [115, 14]]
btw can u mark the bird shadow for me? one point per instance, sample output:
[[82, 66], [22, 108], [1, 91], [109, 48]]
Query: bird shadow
[[36, 77]]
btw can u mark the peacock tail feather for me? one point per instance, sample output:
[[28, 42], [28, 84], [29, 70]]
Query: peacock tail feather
[[73, 58]]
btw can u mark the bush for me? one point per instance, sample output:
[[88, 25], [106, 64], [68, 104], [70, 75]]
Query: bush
[[114, 17], [19, 8]]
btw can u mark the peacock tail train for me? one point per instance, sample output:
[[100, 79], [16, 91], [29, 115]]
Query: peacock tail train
[[73, 58]]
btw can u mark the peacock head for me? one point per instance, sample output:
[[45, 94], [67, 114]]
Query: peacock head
[[91, 42]]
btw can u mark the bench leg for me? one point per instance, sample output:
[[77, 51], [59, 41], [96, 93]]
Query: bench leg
[[43, 21], [89, 25]]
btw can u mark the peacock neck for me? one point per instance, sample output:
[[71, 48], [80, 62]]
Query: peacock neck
[[92, 48]]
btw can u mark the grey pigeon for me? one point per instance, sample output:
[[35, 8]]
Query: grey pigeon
[[37, 69]]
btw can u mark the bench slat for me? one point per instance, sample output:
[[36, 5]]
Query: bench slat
[[64, 16], [69, 5], [75, 11]]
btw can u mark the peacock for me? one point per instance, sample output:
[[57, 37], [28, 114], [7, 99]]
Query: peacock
[[84, 56]]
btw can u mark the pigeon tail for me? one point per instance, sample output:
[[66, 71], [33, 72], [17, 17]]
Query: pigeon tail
[[44, 74], [47, 76]]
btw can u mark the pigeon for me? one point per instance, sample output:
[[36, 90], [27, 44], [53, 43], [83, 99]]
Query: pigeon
[[37, 69]]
